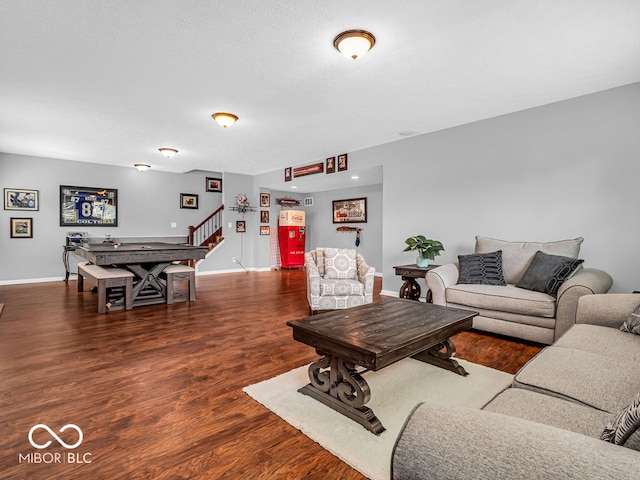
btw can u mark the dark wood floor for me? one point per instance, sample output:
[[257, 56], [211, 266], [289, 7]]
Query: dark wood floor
[[157, 391]]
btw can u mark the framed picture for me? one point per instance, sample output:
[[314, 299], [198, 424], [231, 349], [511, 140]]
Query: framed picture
[[287, 174], [264, 230], [20, 199], [88, 206], [241, 226], [331, 165], [264, 216], [265, 200], [214, 184], [353, 210], [342, 162], [21, 227], [188, 200], [308, 170]]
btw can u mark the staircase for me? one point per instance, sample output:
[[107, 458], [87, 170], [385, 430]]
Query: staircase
[[208, 233]]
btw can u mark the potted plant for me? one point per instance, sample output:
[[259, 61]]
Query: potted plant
[[427, 249]]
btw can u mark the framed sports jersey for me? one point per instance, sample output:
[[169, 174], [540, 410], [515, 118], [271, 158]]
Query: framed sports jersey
[[88, 206]]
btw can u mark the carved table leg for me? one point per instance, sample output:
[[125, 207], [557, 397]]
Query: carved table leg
[[410, 288], [336, 383], [436, 356]]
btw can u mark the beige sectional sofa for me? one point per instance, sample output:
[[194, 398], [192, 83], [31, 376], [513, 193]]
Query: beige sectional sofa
[[510, 309], [550, 422]]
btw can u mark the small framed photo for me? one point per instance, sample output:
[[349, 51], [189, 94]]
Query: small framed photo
[[264, 216], [265, 200], [188, 200], [288, 174], [331, 165], [214, 184], [20, 199], [21, 227], [264, 230], [241, 226], [342, 162]]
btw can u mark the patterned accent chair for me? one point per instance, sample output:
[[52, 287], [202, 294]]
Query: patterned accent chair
[[337, 278]]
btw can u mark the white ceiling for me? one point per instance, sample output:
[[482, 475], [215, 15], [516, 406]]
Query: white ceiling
[[112, 81]]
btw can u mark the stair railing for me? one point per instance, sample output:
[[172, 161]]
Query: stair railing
[[209, 231]]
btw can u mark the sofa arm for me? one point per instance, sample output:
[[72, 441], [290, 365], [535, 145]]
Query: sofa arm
[[455, 443], [610, 310], [586, 282], [313, 278], [366, 274], [441, 278]]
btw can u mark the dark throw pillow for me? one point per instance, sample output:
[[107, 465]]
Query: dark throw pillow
[[632, 324], [547, 272], [481, 269], [624, 424]]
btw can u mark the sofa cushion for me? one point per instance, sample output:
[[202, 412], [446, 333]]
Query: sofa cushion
[[340, 263], [504, 299], [632, 324], [554, 411], [481, 269], [516, 256], [602, 382], [623, 424], [340, 288], [547, 272], [606, 341]]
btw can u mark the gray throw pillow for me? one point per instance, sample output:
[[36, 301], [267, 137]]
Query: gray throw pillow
[[624, 424], [547, 272], [481, 269], [632, 324]]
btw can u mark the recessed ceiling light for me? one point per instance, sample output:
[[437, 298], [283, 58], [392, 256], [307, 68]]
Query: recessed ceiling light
[[354, 177], [294, 186]]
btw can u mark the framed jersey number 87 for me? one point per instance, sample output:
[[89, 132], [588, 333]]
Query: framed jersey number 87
[[88, 206]]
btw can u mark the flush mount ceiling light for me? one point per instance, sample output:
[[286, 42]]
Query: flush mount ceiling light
[[143, 167], [168, 152], [225, 119], [354, 43]]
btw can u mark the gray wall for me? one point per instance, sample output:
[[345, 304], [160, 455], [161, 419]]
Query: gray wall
[[147, 205], [559, 171]]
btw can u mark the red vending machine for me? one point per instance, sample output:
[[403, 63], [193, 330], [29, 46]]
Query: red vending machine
[[291, 237]]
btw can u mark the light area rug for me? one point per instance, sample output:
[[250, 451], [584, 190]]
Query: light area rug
[[395, 391]]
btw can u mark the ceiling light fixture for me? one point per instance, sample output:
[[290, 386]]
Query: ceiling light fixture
[[354, 43], [168, 152], [143, 167], [225, 119]]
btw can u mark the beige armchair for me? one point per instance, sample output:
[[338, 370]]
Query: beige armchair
[[337, 278]]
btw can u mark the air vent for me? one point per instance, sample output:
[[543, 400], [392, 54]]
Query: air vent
[[308, 202]]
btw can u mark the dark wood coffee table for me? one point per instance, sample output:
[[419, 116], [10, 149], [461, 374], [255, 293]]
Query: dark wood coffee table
[[372, 337]]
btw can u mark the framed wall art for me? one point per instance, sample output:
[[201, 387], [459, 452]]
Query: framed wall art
[[265, 200], [342, 162], [188, 200], [20, 199], [353, 210], [308, 170], [264, 230], [288, 176], [264, 216], [214, 184], [21, 227], [241, 226], [331, 165], [88, 206]]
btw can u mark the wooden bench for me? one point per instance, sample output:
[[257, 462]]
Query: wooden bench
[[175, 272], [106, 277]]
